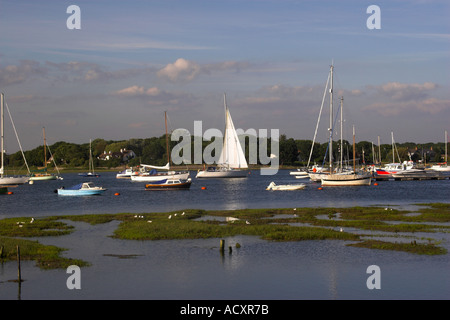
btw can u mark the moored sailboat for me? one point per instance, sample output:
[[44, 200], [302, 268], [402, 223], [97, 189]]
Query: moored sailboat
[[7, 180], [232, 160], [42, 174], [154, 175], [91, 172], [342, 177], [443, 166]]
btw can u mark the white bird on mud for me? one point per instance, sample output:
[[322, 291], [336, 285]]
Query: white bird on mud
[[170, 217], [32, 220], [246, 222]]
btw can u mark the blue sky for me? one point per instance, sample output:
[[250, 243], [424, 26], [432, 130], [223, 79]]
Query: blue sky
[[131, 61]]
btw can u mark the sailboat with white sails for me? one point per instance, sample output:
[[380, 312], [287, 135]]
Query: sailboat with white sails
[[154, 175], [8, 180], [232, 159]]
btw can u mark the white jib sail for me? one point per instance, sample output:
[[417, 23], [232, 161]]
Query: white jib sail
[[232, 155]]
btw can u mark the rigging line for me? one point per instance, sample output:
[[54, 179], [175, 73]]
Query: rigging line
[[317, 125], [53, 158], [17, 137]]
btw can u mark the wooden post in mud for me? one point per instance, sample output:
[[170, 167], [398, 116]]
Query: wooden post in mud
[[18, 265], [222, 245], [1, 252]]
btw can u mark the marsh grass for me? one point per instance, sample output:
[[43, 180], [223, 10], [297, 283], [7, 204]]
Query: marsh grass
[[427, 249], [46, 257], [23, 227], [285, 224]]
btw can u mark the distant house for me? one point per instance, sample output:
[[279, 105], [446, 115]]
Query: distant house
[[418, 154], [123, 155]]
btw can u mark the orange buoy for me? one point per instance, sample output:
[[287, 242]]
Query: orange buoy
[[375, 184], [10, 192], [117, 194], [319, 188], [203, 188]]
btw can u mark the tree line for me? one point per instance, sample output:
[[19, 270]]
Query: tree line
[[292, 152]]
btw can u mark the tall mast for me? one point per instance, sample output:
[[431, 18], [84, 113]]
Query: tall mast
[[354, 151], [45, 148], [446, 137], [225, 136], [167, 138], [2, 133], [392, 138], [331, 119], [379, 149], [342, 119]]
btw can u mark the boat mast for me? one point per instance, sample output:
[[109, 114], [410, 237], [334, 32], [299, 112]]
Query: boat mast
[[91, 161], [167, 138], [342, 141], [393, 151], [379, 149], [354, 151], [225, 136], [446, 137], [2, 133], [45, 149], [331, 119]]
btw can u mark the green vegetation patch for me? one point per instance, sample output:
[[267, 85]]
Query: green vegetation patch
[[29, 227], [46, 257], [428, 249]]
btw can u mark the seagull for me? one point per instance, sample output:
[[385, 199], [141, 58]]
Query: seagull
[[341, 229], [295, 208], [175, 214], [247, 222], [170, 217], [182, 213], [149, 221], [32, 220]]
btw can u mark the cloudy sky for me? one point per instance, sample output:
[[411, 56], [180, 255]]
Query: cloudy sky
[[133, 60]]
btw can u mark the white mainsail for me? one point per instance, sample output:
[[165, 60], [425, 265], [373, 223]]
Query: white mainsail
[[232, 155]]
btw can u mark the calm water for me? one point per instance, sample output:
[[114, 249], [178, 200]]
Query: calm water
[[194, 269]]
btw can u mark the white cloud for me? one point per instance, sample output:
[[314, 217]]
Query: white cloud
[[138, 91], [181, 69], [185, 70]]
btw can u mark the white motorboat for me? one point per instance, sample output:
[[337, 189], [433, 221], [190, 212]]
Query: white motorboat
[[126, 174], [81, 189], [273, 186]]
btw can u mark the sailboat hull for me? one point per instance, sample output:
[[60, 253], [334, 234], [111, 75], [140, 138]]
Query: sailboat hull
[[346, 180], [222, 174], [43, 177], [13, 180], [160, 176]]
